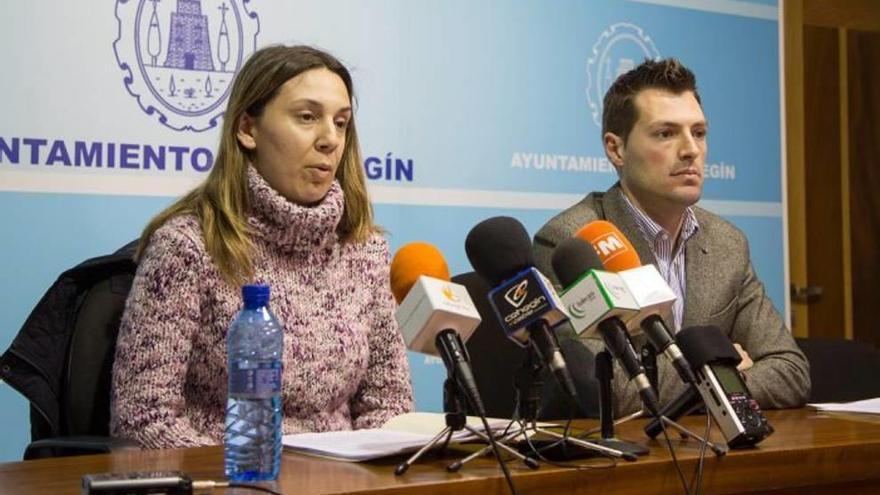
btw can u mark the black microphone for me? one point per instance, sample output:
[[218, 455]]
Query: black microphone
[[455, 357], [524, 301], [620, 346], [582, 365], [659, 335], [572, 259]]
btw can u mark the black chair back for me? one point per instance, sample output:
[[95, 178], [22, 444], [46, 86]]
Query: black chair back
[[494, 358], [62, 358], [841, 370], [86, 398]]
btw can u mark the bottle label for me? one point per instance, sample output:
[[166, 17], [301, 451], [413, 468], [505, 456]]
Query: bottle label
[[254, 379]]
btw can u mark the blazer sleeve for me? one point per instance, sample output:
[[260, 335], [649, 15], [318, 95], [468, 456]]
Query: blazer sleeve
[[780, 377], [386, 390], [154, 344]]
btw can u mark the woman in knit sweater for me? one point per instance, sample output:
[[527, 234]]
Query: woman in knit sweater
[[285, 205]]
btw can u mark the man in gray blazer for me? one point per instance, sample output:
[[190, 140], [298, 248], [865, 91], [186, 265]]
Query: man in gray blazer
[[654, 133]]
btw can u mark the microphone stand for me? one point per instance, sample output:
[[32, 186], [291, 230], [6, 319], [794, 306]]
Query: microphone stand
[[604, 374], [649, 361], [685, 433], [528, 385], [456, 421]]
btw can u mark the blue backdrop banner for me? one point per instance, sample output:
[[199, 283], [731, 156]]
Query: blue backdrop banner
[[465, 110]]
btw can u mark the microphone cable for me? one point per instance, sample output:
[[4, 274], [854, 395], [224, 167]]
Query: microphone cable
[[538, 451], [501, 462], [698, 484], [675, 463], [477, 405]]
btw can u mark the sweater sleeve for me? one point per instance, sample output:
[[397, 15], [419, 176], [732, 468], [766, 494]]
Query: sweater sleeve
[[386, 390], [154, 345]]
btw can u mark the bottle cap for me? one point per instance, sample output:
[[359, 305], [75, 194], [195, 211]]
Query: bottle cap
[[255, 295]]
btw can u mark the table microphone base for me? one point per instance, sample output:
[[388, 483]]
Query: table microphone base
[[527, 382], [623, 446], [444, 436], [457, 421], [528, 429], [684, 432]]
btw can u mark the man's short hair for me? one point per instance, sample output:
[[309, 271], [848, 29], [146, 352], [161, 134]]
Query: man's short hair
[[619, 113]]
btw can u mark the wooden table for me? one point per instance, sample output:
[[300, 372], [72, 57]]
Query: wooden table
[[810, 453]]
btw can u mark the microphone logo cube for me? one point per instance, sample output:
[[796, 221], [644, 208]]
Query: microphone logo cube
[[449, 293], [598, 295], [524, 299], [431, 306], [609, 246], [651, 293], [517, 294]]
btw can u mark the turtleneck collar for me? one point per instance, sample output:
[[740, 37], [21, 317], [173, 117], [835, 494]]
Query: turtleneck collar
[[289, 226]]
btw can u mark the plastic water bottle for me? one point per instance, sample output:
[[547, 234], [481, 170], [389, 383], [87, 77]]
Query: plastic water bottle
[[254, 346]]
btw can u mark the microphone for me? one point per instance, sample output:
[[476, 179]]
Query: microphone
[[648, 288], [615, 251], [719, 384], [655, 328], [591, 294], [524, 301], [435, 315], [582, 365], [618, 343], [575, 263]]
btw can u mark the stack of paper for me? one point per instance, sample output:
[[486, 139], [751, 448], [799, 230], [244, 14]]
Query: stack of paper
[[357, 445], [404, 433]]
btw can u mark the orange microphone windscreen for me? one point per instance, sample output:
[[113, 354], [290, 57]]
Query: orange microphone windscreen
[[412, 261], [613, 248]]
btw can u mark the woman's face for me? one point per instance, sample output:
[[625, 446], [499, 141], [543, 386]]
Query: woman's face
[[299, 138]]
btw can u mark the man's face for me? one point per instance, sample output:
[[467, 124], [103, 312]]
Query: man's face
[[662, 162]]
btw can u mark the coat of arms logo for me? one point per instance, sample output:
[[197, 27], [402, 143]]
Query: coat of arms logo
[[179, 57], [618, 50]]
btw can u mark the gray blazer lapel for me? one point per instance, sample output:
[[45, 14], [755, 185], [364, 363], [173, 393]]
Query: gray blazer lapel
[[617, 212]]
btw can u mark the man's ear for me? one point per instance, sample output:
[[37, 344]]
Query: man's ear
[[247, 132], [614, 148]]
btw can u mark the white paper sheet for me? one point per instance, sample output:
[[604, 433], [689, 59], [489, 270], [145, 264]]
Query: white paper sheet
[[402, 434], [357, 445], [867, 406]]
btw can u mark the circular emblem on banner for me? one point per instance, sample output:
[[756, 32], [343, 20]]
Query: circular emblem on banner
[[180, 56], [619, 49]]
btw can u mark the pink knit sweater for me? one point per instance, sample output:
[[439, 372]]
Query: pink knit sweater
[[345, 363]]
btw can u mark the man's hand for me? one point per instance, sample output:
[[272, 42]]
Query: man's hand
[[746, 362]]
